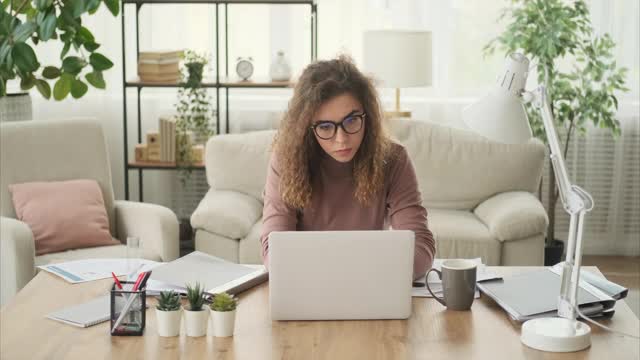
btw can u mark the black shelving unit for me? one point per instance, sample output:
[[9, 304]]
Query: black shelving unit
[[220, 82]]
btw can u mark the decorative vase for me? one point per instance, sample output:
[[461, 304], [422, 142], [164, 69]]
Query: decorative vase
[[16, 107], [223, 323], [280, 68], [168, 322], [196, 322]]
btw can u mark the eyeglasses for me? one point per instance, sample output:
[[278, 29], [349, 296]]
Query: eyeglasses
[[351, 124]]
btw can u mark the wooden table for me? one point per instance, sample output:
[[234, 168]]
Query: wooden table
[[432, 332]]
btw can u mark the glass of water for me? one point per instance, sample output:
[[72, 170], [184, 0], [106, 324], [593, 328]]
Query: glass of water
[[134, 253]]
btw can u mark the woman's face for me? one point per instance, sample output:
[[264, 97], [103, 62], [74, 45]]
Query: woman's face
[[348, 111]]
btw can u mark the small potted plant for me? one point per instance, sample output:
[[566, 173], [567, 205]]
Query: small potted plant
[[223, 314], [168, 313], [195, 316]]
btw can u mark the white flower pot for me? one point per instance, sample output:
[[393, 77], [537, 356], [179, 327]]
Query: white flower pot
[[280, 68], [196, 322], [168, 322], [223, 323]]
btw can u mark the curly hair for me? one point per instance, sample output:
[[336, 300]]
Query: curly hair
[[297, 149]]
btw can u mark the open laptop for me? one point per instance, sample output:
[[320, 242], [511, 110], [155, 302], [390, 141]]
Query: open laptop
[[340, 275]]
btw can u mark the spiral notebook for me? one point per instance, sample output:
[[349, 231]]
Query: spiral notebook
[[84, 315]]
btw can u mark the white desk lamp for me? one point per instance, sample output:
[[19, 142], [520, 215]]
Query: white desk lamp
[[500, 116], [399, 59]]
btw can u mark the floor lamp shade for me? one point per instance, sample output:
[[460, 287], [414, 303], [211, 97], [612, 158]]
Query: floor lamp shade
[[398, 58], [500, 115]]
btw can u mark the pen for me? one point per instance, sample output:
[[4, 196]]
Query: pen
[[118, 284]]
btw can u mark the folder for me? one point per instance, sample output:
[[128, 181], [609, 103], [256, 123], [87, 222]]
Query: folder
[[535, 294]]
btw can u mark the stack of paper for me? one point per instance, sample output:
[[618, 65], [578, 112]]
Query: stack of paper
[[79, 271], [435, 284]]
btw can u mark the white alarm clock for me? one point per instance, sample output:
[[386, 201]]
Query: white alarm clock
[[244, 68]]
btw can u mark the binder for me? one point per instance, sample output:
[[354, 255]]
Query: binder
[[535, 294]]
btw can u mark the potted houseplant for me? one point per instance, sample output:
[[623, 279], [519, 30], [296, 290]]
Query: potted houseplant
[[168, 313], [195, 111], [195, 316], [550, 32], [26, 23], [223, 314]]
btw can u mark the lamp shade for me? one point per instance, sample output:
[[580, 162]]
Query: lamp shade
[[398, 58], [500, 115]]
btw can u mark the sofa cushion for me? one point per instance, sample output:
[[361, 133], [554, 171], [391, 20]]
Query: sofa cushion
[[227, 213], [513, 216], [458, 169], [100, 252], [239, 162], [63, 215], [460, 234]]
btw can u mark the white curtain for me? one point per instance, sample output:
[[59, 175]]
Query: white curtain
[[460, 29]]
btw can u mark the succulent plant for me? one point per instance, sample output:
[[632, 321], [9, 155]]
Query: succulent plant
[[169, 301], [195, 295], [224, 302]]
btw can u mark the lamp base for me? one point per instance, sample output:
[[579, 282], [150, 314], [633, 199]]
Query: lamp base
[[556, 334], [397, 114]]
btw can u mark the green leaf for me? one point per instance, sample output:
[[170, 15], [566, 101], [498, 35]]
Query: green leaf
[[48, 26], [65, 50], [28, 82], [91, 46], [85, 35], [77, 7], [113, 6], [23, 31], [44, 88], [24, 58], [62, 87], [51, 72], [100, 62], [43, 4], [78, 88], [73, 65], [93, 6], [23, 5], [95, 78]]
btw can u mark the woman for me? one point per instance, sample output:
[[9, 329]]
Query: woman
[[334, 168]]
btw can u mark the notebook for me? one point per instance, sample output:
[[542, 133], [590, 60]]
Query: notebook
[[84, 315], [214, 274], [535, 294]]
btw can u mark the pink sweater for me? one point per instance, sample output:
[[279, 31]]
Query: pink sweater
[[334, 207]]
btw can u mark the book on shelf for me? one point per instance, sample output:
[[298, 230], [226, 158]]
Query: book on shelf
[[158, 69], [159, 78], [167, 125], [160, 55], [535, 294]]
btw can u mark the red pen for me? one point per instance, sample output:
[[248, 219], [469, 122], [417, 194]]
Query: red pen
[[117, 281], [137, 283]]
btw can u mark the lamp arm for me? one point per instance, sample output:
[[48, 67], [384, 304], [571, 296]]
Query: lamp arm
[[576, 201]]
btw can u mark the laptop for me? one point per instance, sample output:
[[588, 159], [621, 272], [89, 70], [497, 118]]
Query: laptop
[[340, 275]]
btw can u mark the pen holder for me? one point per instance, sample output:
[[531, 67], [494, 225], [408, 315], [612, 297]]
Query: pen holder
[[128, 309]]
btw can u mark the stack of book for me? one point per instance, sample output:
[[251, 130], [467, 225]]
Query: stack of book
[[159, 66]]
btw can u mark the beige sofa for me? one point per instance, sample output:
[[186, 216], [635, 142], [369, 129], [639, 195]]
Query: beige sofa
[[64, 150], [479, 194]]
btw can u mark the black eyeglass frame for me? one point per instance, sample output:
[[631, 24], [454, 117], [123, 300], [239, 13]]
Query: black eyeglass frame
[[362, 116]]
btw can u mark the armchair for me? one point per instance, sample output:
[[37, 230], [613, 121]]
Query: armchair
[[64, 150]]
